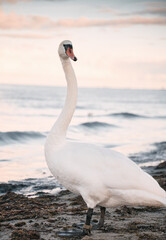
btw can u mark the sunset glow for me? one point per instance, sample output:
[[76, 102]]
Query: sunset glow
[[119, 44]]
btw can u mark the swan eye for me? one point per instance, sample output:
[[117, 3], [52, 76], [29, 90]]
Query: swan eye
[[66, 46]]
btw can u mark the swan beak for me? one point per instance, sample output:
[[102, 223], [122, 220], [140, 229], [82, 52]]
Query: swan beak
[[70, 54]]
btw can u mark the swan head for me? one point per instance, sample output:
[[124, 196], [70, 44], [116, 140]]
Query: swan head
[[66, 50]]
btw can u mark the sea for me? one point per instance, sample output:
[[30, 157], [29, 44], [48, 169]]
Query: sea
[[130, 121]]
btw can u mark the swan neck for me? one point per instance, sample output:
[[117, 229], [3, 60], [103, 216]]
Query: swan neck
[[58, 132]]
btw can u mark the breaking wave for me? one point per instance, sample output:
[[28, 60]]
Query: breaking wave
[[133, 115], [97, 124], [127, 115], [10, 137]]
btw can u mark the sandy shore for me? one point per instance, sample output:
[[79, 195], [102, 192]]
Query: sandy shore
[[62, 217]]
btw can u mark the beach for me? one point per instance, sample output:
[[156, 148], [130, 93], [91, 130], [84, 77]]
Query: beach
[[62, 216]]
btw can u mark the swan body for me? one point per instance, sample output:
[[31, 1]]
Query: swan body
[[109, 179], [101, 176]]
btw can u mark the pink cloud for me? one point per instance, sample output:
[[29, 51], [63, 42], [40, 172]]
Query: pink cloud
[[161, 11], [27, 36], [157, 3], [15, 21], [86, 22], [157, 10], [11, 1], [109, 10]]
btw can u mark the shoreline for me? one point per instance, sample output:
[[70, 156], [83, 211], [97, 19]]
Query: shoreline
[[42, 217]]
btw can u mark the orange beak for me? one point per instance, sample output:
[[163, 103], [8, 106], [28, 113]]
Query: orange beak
[[70, 54]]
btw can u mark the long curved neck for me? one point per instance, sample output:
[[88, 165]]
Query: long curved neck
[[58, 131]]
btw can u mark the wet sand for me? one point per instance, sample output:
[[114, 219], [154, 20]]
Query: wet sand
[[62, 217]]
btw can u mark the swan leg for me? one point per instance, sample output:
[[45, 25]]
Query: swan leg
[[87, 227], [101, 221]]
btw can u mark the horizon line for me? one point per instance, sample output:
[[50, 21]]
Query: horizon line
[[93, 87]]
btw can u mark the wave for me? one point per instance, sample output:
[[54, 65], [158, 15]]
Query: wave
[[127, 115], [9, 137], [97, 124], [12, 186], [160, 117], [133, 115], [5, 160], [31, 186]]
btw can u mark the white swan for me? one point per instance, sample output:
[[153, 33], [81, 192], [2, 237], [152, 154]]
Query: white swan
[[101, 176]]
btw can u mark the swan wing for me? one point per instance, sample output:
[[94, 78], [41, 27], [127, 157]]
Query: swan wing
[[102, 176], [80, 165]]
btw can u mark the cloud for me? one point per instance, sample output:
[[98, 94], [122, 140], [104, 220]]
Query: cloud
[[161, 11], [157, 3], [8, 1], [27, 36], [16, 1], [158, 11], [109, 10], [11, 1], [17, 22], [86, 22], [149, 8]]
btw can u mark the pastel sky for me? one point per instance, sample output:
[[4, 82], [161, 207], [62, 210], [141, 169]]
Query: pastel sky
[[119, 44]]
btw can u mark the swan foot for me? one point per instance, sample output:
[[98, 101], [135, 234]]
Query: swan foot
[[100, 225], [87, 229]]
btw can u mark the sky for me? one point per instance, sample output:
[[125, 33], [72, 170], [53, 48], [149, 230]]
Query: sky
[[119, 44]]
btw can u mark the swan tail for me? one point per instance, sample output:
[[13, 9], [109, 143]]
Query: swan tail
[[153, 200], [136, 198], [163, 202], [150, 199]]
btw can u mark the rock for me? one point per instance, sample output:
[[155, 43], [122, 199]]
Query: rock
[[20, 224], [24, 234], [161, 165]]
